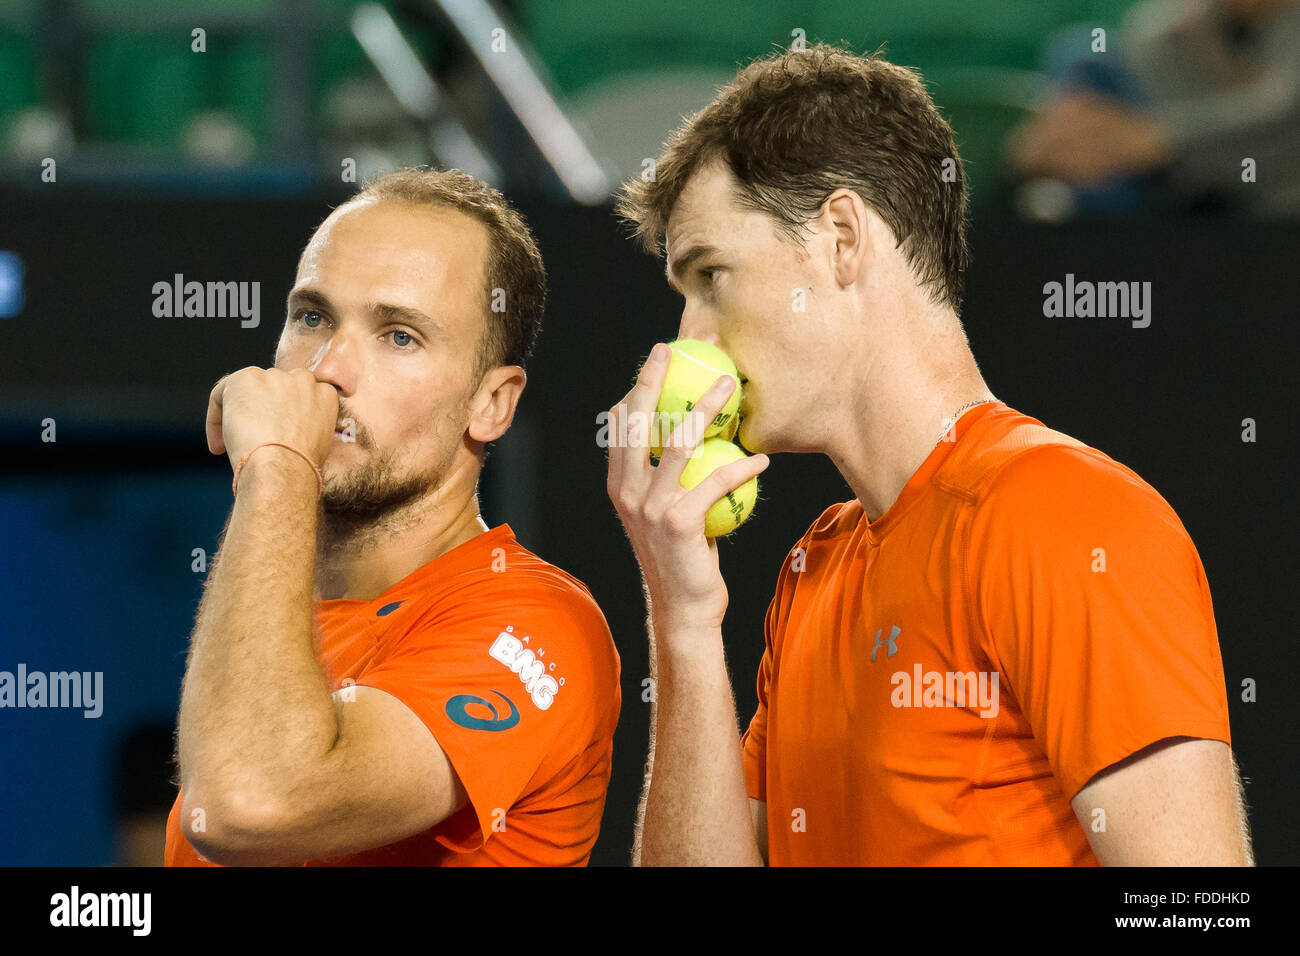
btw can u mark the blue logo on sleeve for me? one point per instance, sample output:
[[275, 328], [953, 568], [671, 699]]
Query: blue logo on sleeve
[[456, 710]]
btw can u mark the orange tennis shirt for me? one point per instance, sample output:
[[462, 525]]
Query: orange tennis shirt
[[509, 662], [937, 684]]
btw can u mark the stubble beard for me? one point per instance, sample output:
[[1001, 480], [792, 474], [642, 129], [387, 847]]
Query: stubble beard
[[372, 494]]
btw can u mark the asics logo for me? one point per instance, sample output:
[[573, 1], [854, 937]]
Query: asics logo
[[458, 711]]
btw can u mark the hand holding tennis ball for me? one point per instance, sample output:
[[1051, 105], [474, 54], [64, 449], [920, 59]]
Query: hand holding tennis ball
[[693, 367], [664, 521], [732, 509]]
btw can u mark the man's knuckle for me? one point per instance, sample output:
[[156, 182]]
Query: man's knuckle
[[679, 523]]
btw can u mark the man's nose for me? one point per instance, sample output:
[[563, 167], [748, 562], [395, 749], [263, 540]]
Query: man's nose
[[334, 362], [699, 333], [694, 325]]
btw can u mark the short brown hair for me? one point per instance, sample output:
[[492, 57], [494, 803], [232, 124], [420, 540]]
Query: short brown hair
[[794, 126], [514, 263]]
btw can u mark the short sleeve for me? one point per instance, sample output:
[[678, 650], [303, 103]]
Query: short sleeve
[[1092, 602], [505, 680]]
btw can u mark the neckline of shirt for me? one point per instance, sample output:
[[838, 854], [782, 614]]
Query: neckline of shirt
[[917, 484], [449, 562]]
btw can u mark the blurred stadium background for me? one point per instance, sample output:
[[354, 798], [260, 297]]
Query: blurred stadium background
[[128, 155]]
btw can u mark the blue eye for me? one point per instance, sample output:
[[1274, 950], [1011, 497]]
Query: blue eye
[[402, 344], [302, 317]]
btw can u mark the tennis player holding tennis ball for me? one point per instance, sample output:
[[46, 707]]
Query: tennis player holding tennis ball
[[656, 496], [805, 219]]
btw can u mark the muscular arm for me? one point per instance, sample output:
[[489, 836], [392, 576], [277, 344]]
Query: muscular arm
[[281, 769], [694, 809], [1177, 802]]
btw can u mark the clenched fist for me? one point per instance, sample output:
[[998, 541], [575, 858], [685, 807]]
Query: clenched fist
[[256, 405]]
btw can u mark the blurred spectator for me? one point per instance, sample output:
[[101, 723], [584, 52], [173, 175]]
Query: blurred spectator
[[1201, 86], [145, 793]]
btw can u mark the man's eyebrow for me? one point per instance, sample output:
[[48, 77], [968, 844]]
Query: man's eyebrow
[[679, 265], [403, 313], [381, 310], [309, 297]]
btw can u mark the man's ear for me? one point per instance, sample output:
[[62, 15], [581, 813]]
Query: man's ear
[[492, 408], [848, 220]]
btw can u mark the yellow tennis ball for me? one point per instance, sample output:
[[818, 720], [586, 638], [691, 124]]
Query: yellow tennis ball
[[693, 367], [732, 509]]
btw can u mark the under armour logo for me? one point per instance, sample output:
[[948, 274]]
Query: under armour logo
[[893, 636]]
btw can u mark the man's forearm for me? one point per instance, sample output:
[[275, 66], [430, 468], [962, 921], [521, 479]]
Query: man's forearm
[[696, 809], [639, 827], [255, 706]]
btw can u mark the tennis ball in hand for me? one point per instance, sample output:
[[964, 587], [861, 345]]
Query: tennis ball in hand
[[731, 510], [693, 367]]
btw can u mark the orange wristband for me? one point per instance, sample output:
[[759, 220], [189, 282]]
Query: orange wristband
[[320, 479]]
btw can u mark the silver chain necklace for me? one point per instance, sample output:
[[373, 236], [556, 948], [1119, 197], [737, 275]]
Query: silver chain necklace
[[952, 420]]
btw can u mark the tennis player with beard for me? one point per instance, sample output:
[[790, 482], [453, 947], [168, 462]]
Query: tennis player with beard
[[1003, 650], [376, 676]]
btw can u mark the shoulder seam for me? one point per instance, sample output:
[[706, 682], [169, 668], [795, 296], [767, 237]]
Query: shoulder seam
[[816, 526], [971, 489]]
